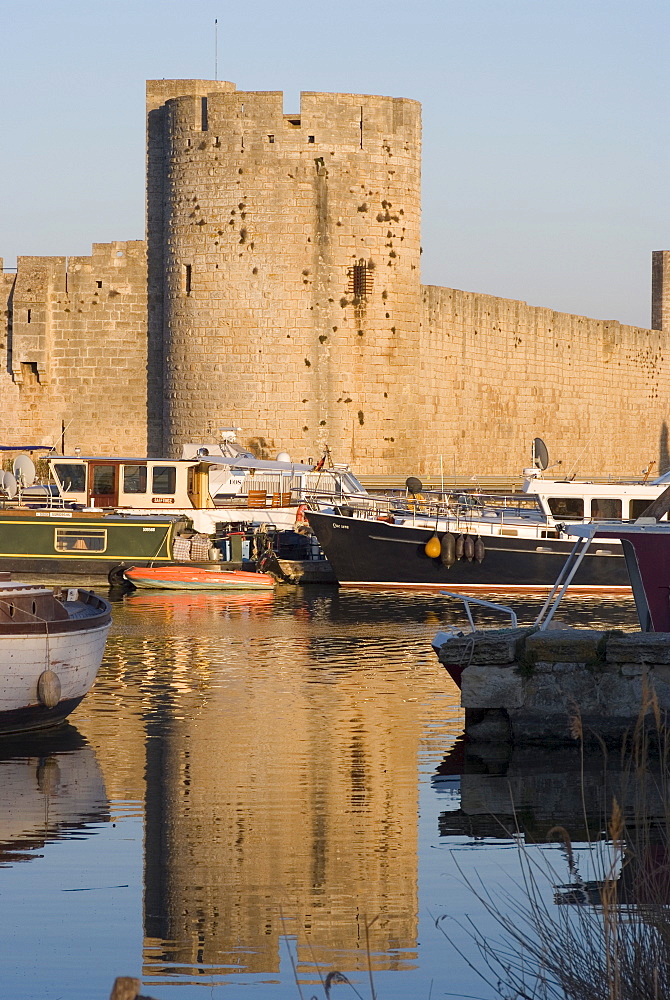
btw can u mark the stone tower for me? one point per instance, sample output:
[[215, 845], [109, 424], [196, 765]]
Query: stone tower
[[284, 293]]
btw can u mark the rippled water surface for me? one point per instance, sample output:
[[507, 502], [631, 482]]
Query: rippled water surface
[[259, 790]]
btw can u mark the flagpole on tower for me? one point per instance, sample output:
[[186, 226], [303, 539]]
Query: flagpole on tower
[[216, 48]]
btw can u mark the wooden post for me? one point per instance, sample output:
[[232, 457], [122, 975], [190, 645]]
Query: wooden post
[[125, 988]]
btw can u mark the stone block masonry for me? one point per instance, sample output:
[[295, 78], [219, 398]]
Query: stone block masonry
[[496, 372], [77, 352], [290, 249], [526, 687], [279, 291]]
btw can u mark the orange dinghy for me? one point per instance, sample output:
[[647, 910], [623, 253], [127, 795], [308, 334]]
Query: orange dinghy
[[192, 578]]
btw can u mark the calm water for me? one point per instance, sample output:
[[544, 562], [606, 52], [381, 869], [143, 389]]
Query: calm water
[[259, 790]]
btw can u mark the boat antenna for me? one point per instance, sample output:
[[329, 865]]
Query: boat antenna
[[571, 474]]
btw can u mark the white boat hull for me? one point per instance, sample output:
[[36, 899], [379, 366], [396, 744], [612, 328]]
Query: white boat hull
[[74, 657]]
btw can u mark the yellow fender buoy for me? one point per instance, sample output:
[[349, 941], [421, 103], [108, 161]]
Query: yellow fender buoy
[[432, 547]]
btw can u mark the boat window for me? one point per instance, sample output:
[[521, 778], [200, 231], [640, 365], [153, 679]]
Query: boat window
[[71, 476], [637, 508], [164, 479], [134, 479], [566, 506], [605, 509], [104, 477], [80, 539]]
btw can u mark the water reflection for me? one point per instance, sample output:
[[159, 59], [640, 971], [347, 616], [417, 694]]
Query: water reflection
[[543, 795], [51, 788], [264, 755], [281, 741]]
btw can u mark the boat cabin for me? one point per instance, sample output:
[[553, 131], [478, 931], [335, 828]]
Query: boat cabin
[[198, 483], [567, 500], [151, 484]]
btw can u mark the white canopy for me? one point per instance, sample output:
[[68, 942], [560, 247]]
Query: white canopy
[[258, 464]]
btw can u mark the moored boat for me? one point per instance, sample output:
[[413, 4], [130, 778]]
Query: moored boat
[[646, 550], [499, 544], [470, 541], [51, 648], [251, 491], [195, 578], [81, 542]]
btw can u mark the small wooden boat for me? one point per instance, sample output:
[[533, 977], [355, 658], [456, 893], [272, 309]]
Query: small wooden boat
[[51, 648], [194, 578]]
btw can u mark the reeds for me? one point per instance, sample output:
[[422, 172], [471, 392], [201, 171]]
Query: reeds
[[607, 938]]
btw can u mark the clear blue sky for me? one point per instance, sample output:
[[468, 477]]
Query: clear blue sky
[[545, 124]]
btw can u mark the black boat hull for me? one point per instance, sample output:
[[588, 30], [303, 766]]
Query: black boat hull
[[369, 553]]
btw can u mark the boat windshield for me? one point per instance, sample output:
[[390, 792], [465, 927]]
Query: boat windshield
[[71, 476]]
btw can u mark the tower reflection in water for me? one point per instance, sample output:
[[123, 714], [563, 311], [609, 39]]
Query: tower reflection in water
[[281, 783]]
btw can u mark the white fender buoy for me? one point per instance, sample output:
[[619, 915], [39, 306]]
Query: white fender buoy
[[48, 688]]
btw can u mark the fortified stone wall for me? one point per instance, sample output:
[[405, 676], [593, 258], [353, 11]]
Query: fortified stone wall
[[76, 351], [10, 408], [279, 292], [495, 373]]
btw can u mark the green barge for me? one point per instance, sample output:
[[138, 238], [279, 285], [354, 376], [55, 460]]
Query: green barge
[[58, 542]]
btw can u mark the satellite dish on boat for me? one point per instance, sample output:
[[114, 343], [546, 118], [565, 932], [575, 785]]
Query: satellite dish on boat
[[9, 485], [283, 456], [413, 484], [540, 454], [24, 470]]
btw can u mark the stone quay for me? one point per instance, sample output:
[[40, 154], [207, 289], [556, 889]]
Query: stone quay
[[524, 686]]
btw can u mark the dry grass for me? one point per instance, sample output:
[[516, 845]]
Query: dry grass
[[603, 939]]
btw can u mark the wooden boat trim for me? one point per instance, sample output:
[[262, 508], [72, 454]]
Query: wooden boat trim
[[100, 616]]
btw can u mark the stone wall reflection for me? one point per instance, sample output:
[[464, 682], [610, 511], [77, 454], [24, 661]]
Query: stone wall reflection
[[547, 795]]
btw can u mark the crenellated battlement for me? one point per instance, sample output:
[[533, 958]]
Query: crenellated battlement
[[345, 121], [161, 91]]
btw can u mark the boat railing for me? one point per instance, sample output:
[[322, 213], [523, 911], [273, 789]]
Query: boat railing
[[461, 507], [468, 600], [32, 499]]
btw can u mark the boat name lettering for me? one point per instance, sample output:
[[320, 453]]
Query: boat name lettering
[[60, 513], [162, 500], [336, 524], [148, 529]]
